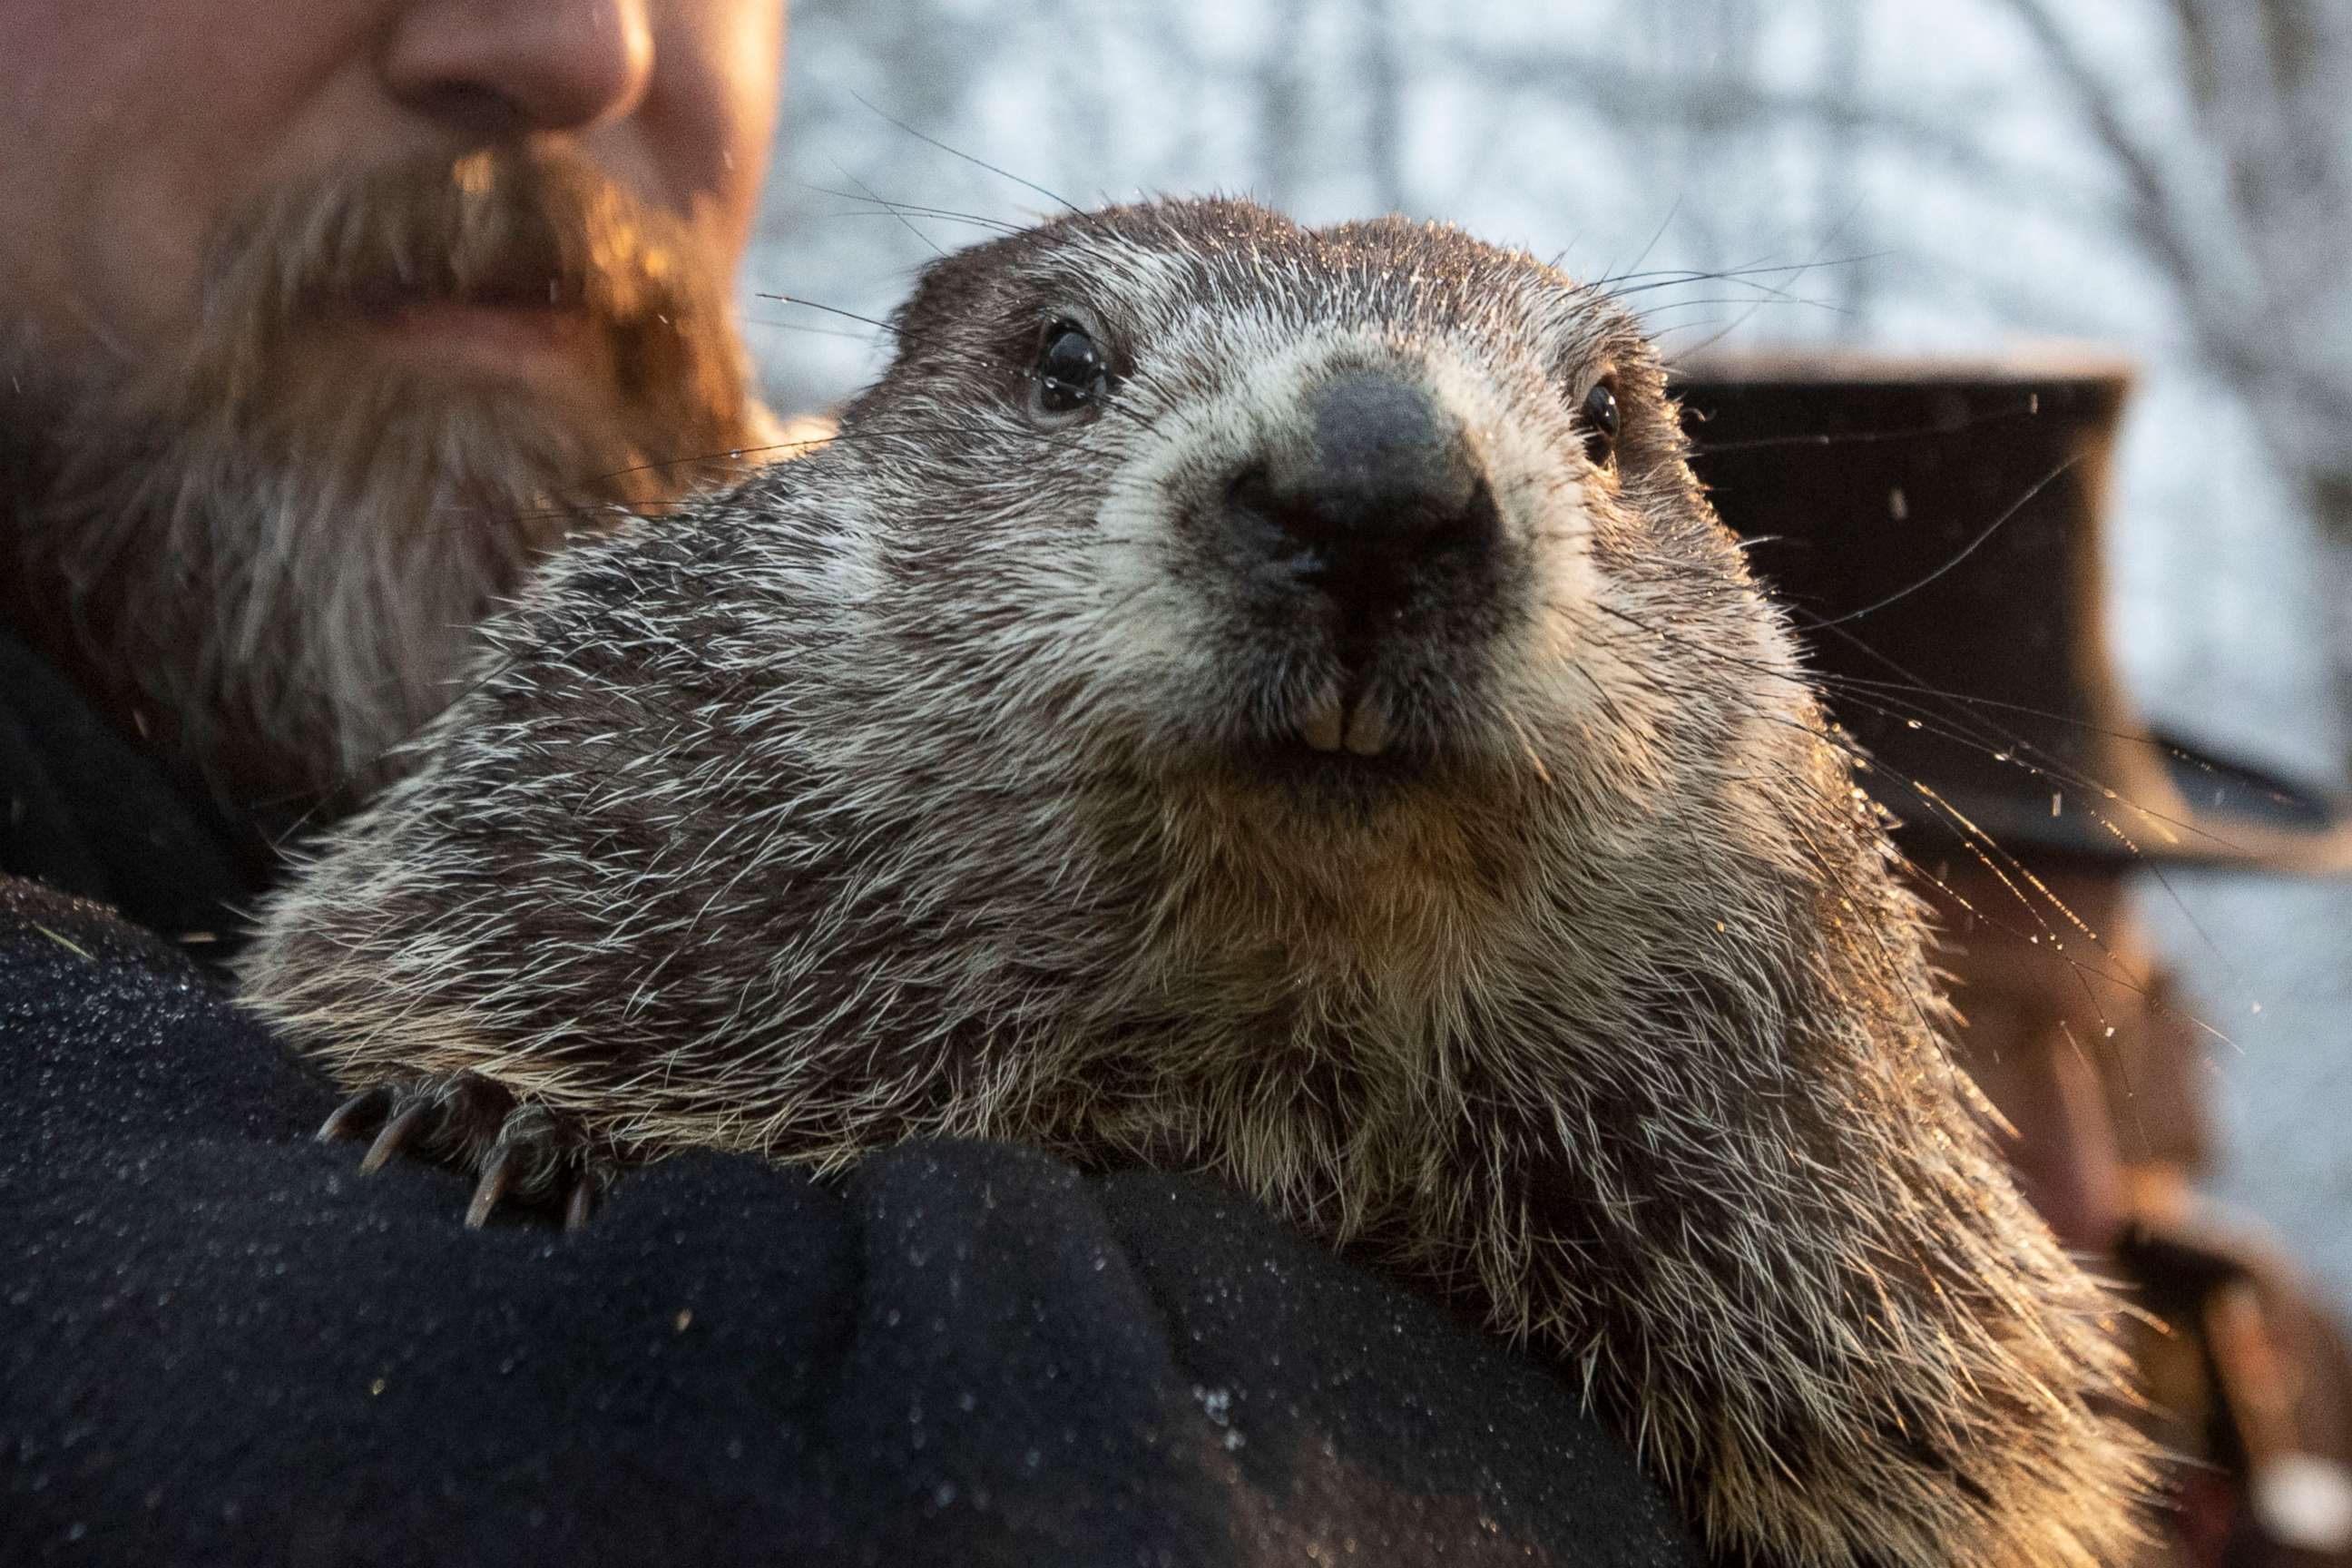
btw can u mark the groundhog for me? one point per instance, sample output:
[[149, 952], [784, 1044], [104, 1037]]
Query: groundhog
[[1271, 701]]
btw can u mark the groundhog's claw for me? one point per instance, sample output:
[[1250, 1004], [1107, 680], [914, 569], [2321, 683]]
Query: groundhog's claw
[[578, 1198], [395, 1132], [581, 1203], [521, 1152], [363, 1107], [490, 1188]]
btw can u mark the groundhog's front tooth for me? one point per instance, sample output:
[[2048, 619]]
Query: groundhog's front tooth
[[1368, 726], [1321, 730]]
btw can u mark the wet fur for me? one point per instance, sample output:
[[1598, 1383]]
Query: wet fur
[[906, 791]]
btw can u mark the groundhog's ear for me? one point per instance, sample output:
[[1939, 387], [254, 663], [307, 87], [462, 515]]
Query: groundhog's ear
[[953, 292], [953, 296]]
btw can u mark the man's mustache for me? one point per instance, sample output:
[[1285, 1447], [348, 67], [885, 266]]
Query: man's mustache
[[500, 226]]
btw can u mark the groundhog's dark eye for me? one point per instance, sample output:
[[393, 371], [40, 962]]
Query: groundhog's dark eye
[[1072, 373], [1600, 424]]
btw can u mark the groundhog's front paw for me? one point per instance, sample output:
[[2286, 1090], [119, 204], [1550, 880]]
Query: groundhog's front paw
[[520, 1152]]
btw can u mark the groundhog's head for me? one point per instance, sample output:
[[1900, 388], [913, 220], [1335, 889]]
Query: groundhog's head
[[1332, 508]]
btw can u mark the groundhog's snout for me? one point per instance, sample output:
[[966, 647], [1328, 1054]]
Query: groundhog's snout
[[1367, 516], [1374, 495], [1365, 525]]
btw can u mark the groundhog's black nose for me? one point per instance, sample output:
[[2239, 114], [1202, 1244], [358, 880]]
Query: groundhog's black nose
[[1383, 493]]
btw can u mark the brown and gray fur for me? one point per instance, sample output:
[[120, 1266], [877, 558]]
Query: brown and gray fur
[[950, 783]]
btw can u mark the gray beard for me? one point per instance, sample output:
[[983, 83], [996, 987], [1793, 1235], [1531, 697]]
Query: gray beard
[[266, 555], [283, 620]]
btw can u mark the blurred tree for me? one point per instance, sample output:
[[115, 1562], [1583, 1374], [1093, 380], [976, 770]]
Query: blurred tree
[[2246, 218]]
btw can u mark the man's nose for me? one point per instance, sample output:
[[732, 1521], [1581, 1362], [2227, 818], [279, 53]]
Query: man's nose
[[504, 67]]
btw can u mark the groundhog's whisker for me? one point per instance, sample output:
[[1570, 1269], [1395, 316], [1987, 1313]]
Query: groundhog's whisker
[[877, 324], [1893, 700], [1979, 843], [882, 207]]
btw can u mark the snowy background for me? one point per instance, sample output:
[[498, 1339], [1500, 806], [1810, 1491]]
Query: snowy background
[[2170, 176]]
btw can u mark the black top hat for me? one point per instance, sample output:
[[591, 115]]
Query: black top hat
[[1934, 527]]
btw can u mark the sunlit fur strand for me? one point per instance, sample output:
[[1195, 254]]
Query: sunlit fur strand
[[882, 799]]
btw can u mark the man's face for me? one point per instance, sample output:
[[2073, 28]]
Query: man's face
[[136, 131], [321, 321]]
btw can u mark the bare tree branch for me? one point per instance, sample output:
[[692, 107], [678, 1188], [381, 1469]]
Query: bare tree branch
[[2168, 232]]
